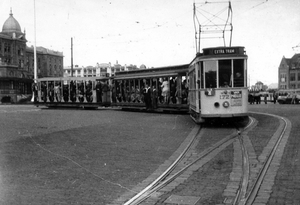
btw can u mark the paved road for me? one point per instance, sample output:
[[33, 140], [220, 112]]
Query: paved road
[[286, 189], [93, 157], [81, 156]]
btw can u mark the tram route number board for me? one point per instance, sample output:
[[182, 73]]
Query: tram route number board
[[234, 96]]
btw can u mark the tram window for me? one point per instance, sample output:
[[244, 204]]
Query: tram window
[[238, 70], [202, 75], [224, 73], [211, 74]]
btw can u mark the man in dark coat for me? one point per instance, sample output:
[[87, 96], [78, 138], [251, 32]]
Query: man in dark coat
[[147, 97]]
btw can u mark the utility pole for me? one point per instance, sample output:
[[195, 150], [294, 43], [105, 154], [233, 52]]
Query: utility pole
[[71, 57], [34, 51]]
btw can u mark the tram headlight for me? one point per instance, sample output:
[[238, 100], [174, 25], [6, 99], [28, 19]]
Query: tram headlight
[[226, 104]]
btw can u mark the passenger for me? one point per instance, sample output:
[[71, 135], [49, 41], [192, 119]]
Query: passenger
[[173, 90], [113, 92], [238, 80], [66, 92], [185, 91], [89, 92], [44, 92], [51, 92], [57, 92], [154, 97], [147, 97], [137, 94], [81, 92], [165, 90], [105, 90], [99, 92], [72, 91]]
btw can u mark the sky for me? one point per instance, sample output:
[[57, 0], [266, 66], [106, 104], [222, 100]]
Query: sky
[[158, 33]]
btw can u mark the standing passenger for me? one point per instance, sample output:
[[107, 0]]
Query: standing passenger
[[147, 97], [105, 89], [154, 97], [98, 92], [165, 90]]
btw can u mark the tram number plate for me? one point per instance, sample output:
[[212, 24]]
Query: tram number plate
[[224, 96]]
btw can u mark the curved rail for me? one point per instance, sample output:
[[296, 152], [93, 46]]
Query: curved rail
[[161, 181], [137, 198], [241, 198]]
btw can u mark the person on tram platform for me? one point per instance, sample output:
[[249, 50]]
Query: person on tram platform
[[72, 91], [165, 90], [99, 92], [89, 92], [154, 97], [66, 92], [105, 90], [44, 91], [147, 97], [51, 92], [57, 92], [81, 92]]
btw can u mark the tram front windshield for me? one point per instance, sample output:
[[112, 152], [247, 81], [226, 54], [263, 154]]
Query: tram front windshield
[[230, 73]]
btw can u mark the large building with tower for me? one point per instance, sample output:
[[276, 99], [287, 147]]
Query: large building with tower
[[17, 62]]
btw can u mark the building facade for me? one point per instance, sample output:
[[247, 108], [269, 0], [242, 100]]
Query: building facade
[[17, 63], [289, 73], [100, 70]]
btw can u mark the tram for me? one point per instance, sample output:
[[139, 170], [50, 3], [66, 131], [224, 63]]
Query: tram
[[85, 92], [218, 84], [126, 90], [168, 87]]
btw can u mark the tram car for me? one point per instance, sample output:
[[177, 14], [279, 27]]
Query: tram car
[[157, 89], [81, 92], [162, 89], [218, 84]]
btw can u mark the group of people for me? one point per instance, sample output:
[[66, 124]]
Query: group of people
[[162, 91], [73, 91]]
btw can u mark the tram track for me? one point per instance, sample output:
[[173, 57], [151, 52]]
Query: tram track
[[174, 171], [247, 195]]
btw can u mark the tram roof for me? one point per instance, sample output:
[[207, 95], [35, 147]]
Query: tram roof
[[71, 78], [153, 72]]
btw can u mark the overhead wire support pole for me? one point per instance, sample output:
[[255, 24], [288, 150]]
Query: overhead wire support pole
[[34, 48], [71, 57]]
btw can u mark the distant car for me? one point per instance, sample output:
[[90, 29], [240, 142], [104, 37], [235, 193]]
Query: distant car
[[288, 99]]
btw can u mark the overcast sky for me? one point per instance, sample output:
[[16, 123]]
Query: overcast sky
[[156, 32]]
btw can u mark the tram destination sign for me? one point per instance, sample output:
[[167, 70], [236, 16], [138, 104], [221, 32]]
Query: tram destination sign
[[223, 51]]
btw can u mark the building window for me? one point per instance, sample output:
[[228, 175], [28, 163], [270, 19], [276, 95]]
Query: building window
[[293, 77], [282, 77]]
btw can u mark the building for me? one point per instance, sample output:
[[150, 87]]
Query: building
[[17, 62], [101, 69], [289, 73]]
